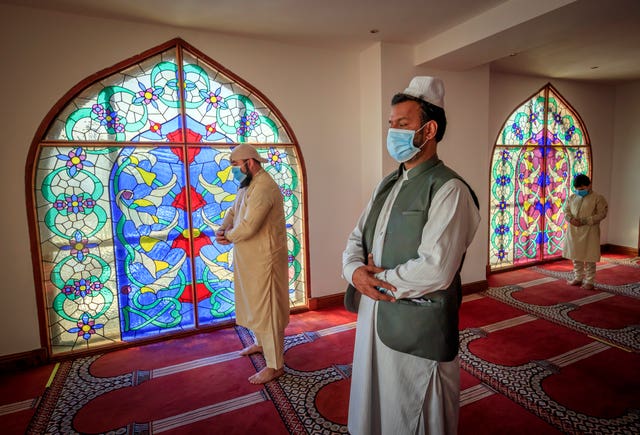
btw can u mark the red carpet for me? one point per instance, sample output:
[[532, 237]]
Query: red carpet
[[612, 389], [538, 357], [506, 347]]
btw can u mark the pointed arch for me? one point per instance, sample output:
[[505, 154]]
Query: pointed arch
[[128, 178], [539, 150]]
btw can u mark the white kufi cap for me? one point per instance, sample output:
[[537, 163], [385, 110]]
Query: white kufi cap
[[429, 89], [244, 152]]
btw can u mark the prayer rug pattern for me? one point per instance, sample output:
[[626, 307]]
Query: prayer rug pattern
[[532, 359], [631, 289], [294, 393], [523, 385], [628, 337], [76, 387], [633, 262]]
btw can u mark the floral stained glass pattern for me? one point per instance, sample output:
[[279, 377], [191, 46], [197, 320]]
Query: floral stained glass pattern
[[539, 151], [126, 228]]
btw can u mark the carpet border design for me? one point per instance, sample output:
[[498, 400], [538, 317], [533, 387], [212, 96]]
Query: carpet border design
[[523, 385], [294, 393], [628, 337], [631, 290], [47, 403]]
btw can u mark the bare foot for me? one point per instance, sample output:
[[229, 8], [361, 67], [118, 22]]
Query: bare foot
[[265, 375], [254, 348]]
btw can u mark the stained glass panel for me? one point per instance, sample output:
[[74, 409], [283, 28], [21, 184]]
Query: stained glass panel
[[563, 125], [501, 206], [529, 204], [525, 125], [151, 234], [126, 231], [534, 163], [131, 105], [283, 166], [74, 223], [212, 194], [221, 110]]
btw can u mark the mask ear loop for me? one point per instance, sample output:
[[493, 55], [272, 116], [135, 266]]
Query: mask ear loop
[[428, 139]]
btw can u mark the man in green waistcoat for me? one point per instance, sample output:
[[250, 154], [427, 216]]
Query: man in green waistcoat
[[407, 249]]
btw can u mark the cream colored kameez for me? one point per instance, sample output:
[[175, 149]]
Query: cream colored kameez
[[582, 243], [255, 224]]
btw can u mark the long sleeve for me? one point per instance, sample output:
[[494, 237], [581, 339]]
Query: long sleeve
[[567, 209], [453, 221], [600, 212], [353, 255], [582, 242], [258, 204], [227, 222]]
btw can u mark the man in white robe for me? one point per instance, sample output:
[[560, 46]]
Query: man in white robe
[[393, 392], [255, 224], [583, 210]]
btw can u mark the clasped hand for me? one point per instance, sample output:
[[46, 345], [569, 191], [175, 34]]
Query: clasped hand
[[576, 222], [365, 282], [221, 239]]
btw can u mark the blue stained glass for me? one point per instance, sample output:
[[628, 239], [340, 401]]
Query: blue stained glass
[[128, 209]]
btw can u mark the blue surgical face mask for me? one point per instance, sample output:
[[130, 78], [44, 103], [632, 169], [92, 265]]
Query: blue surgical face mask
[[582, 193], [400, 144], [238, 175]]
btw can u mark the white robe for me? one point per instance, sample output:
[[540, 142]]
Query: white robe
[[392, 392], [583, 243], [256, 225]]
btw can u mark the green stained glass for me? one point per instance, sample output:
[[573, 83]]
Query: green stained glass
[[524, 124], [76, 246], [229, 111], [126, 232], [126, 106], [562, 124], [541, 148]]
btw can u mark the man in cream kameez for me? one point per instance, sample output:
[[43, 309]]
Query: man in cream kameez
[[255, 224], [583, 210], [394, 392]]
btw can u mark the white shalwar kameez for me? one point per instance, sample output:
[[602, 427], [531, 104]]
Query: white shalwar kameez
[[394, 393]]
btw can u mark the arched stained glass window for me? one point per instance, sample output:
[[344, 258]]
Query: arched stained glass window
[[130, 182], [541, 147]]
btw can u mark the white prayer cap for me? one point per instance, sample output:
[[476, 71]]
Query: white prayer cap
[[429, 89], [245, 152]]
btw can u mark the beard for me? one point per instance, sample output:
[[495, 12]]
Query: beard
[[419, 142], [247, 180]]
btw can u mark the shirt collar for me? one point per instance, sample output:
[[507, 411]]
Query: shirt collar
[[421, 168]]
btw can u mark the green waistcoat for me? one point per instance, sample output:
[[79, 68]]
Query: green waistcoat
[[410, 211], [428, 330]]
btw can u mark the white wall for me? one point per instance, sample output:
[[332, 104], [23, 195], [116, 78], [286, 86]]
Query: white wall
[[624, 197], [371, 127], [465, 148]]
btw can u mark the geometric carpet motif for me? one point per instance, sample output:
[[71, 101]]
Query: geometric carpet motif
[[294, 395], [523, 385], [630, 289], [628, 337], [73, 388], [633, 262], [519, 360]]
